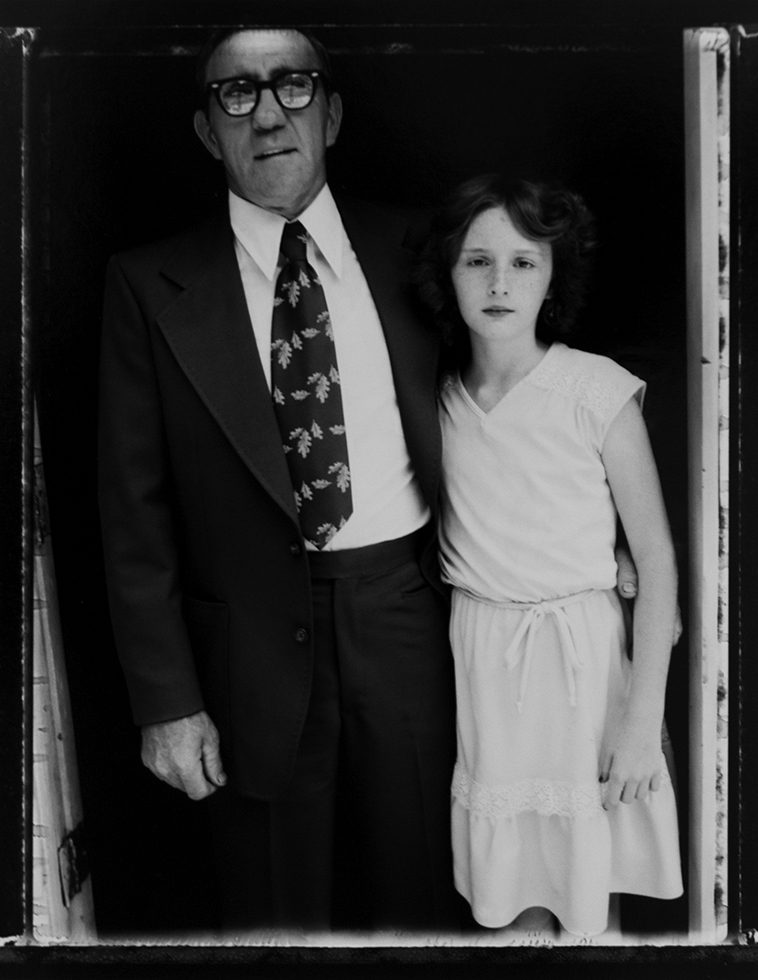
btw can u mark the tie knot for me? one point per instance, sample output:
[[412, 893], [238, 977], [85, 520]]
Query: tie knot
[[294, 237]]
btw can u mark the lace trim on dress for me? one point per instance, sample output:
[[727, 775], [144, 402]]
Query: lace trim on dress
[[543, 796], [599, 395]]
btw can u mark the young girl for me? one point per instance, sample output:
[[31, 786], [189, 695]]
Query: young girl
[[561, 795]]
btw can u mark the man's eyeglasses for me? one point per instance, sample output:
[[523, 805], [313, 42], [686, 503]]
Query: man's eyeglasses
[[292, 90]]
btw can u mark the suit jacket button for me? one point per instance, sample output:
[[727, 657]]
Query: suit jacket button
[[301, 635], [295, 549]]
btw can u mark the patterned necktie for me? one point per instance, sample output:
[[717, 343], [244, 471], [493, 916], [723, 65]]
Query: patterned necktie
[[305, 387]]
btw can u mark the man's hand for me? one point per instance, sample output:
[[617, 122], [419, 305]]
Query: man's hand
[[626, 574], [626, 583], [185, 754]]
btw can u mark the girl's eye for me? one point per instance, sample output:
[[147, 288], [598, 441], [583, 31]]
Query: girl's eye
[[475, 262], [524, 264]]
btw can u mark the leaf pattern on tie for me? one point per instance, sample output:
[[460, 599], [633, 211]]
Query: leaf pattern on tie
[[304, 364], [291, 292], [342, 474], [303, 440], [283, 352], [321, 385], [325, 321]]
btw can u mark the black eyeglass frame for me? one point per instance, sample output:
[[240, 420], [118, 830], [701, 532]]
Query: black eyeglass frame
[[316, 74]]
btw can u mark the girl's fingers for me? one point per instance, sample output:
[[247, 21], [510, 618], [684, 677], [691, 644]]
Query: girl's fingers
[[642, 789], [615, 789], [624, 790], [630, 791]]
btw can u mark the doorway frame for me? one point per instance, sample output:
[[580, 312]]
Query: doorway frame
[[707, 62]]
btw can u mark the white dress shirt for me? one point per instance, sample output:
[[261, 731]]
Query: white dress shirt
[[387, 500]]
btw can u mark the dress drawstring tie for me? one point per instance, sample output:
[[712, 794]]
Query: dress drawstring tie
[[520, 649]]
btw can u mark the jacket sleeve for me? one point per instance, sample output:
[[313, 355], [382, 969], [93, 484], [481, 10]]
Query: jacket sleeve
[[142, 561]]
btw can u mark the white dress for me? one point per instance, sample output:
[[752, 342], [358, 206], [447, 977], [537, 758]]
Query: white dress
[[527, 540]]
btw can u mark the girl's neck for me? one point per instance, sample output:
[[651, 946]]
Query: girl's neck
[[496, 368]]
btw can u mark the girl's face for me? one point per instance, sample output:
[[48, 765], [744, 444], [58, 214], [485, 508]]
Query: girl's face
[[501, 278]]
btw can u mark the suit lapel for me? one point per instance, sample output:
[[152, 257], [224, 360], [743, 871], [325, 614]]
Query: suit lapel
[[209, 331]]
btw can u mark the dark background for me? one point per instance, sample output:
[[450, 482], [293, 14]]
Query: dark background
[[587, 92], [127, 167]]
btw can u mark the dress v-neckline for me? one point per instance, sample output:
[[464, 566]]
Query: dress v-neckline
[[478, 410]]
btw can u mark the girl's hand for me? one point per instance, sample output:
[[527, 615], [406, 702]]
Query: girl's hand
[[631, 764]]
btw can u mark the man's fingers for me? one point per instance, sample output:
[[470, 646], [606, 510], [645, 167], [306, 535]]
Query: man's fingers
[[159, 765], [678, 626], [168, 776], [187, 779], [184, 754], [626, 576], [197, 787], [212, 765]]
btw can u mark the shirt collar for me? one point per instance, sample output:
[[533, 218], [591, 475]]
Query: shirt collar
[[260, 231]]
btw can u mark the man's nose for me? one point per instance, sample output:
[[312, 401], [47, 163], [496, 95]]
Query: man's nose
[[268, 114]]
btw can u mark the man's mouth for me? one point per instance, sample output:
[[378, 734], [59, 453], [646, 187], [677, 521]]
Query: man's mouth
[[268, 154]]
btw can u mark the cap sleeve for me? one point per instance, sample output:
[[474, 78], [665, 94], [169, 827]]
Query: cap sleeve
[[597, 387], [607, 390]]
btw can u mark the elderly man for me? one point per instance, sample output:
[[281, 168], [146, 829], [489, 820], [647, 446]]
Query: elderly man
[[269, 457]]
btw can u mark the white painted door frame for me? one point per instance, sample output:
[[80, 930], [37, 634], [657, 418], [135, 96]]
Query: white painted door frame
[[706, 86]]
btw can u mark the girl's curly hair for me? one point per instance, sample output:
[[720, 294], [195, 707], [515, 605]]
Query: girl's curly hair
[[541, 211]]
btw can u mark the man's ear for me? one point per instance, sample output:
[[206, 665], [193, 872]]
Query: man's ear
[[334, 119], [205, 133]]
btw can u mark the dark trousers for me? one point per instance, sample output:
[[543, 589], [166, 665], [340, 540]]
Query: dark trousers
[[361, 837]]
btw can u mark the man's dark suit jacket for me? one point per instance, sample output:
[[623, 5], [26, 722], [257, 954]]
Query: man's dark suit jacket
[[207, 575]]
